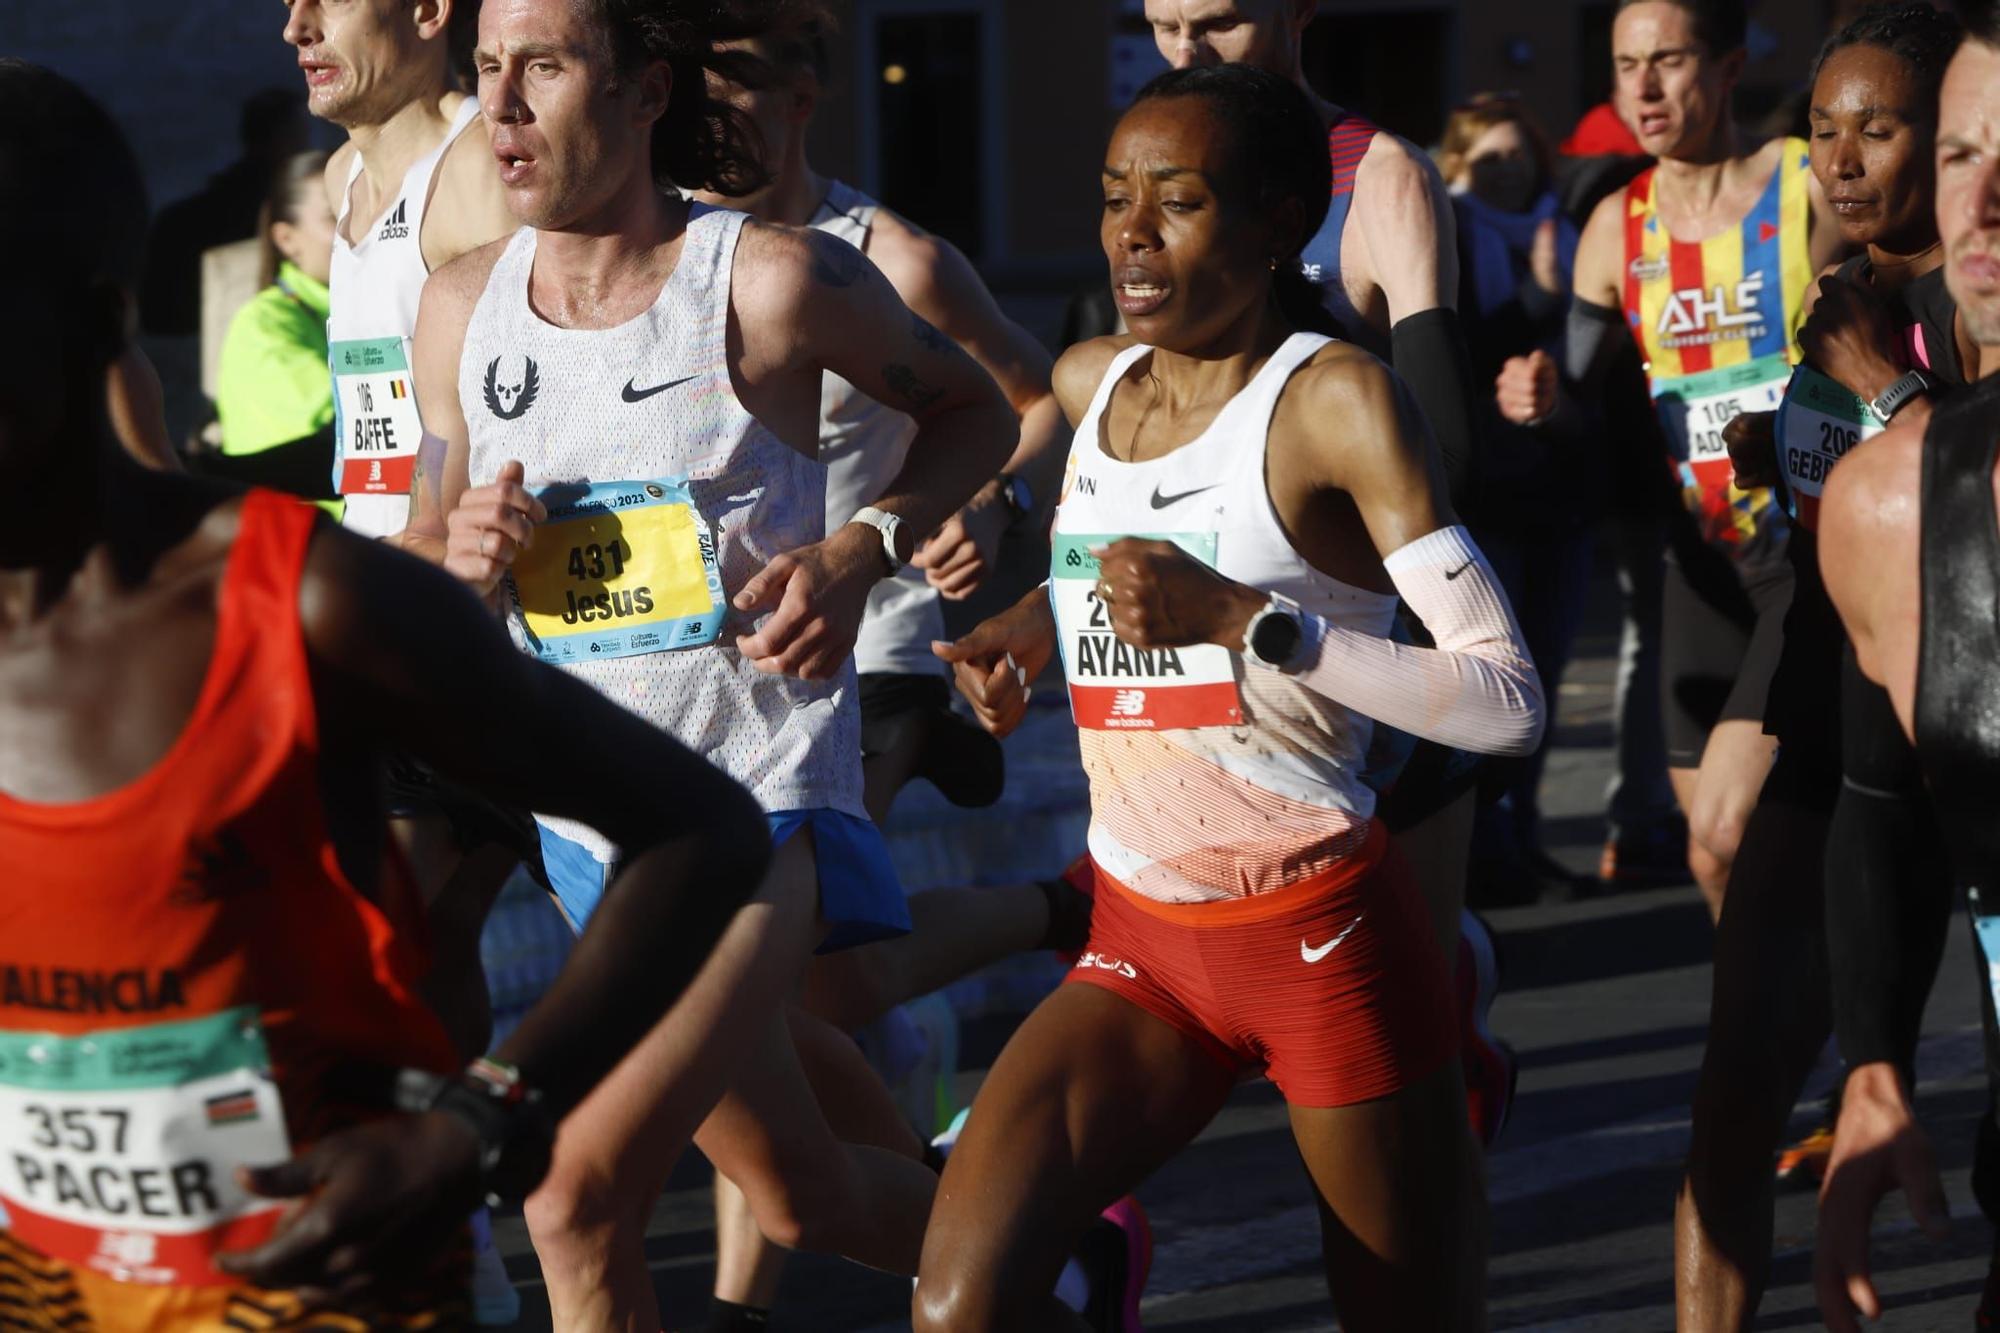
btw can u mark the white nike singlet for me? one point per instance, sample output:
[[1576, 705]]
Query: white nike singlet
[[652, 400], [375, 284], [1209, 779], [863, 445]]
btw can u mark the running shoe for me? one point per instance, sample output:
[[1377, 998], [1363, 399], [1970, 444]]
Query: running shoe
[[1491, 1069], [1804, 1163], [1117, 1255]]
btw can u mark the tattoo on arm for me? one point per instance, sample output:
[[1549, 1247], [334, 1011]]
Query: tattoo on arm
[[905, 382], [836, 263], [928, 335]]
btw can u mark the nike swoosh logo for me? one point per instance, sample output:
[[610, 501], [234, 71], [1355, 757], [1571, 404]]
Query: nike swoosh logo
[[1165, 501], [632, 394], [1460, 570], [1312, 955]]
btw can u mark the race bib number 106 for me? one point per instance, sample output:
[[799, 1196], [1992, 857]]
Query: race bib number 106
[[1114, 686], [376, 425]]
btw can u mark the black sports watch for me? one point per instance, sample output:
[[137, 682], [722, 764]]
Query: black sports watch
[[516, 1134], [1018, 496], [1276, 634], [1898, 395]]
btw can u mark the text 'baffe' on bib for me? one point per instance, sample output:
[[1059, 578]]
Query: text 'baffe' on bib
[[619, 569], [1114, 686], [377, 430], [1818, 423], [118, 1150]]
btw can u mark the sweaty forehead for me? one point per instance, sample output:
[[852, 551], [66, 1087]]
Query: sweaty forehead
[[1969, 106], [1864, 76], [1168, 132], [1645, 30], [508, 23]]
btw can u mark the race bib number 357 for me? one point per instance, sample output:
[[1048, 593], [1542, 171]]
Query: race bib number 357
[[619, 569], [118, 1150], [1116, 687], [376, 425]]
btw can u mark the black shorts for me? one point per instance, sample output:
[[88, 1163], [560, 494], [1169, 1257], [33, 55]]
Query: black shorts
[[1435, 776], [1722, 629], [889, 697]]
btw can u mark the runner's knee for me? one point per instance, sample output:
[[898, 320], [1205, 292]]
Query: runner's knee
[[811, 1207]]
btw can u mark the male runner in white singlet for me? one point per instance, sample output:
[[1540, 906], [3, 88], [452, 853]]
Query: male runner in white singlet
[[628, 390]]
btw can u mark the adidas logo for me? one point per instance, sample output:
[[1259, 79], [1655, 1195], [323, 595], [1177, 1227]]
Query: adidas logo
[[395, 227]]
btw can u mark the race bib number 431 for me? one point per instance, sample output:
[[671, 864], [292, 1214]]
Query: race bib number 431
[[1116, 687], [619, 569], [376, 425], [118, 1151], [1820, 421]]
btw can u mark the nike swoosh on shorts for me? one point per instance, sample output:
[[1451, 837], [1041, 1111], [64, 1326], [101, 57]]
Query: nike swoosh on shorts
[[1312, 955]]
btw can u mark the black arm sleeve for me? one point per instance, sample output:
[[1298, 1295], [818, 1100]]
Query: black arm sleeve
[[1888, 892], [1428, 350], [303, 467]]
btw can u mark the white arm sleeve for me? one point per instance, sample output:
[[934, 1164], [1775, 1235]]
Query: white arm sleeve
[[1477, 690]]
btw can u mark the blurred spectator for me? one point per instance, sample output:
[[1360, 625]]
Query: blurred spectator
[[1600, 155], [1602, 133], [1537, 497], [272, 127], [274, 394]]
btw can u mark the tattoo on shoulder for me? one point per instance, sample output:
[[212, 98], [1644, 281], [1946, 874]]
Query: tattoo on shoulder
[[836, 263], [905, 382], [928, 335]]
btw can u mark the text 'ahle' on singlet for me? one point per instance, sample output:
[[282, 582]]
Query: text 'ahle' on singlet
[[375, 283], [665, 496], [184, 965], [1208, 778], [1715, 321], [863, 445]]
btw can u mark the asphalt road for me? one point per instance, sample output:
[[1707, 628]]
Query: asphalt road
[[1606, 1002]]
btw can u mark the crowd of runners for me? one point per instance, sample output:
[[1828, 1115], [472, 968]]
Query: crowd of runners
[[654, 458]]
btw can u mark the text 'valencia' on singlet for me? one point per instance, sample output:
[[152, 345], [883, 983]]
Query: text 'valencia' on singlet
[[1208, 779], [864, 444], [184, 966], [375, 284], [1715, 321], [665, 496]]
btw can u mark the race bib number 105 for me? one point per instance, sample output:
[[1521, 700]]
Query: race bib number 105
[[1116, 687], [619, 569], [1695, 408], [118, 1150]]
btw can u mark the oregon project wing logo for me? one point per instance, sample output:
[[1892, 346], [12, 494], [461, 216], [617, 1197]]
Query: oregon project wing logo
[[508, 401]]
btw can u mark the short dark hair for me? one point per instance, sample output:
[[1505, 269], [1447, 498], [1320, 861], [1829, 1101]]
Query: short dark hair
[[1981, 19], [1920, 36], [1720, 25], [701, 143], [72, 200], [1277, 153]]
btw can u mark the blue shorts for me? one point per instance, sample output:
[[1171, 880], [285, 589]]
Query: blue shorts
[[860, 896]]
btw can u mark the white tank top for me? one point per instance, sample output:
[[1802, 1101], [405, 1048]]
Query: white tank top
[[1208, 778], [375, 284], [584, 405], [863, 445]]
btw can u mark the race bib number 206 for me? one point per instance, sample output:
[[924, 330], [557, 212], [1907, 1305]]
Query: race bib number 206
[[118, 1150], [1114, 686]]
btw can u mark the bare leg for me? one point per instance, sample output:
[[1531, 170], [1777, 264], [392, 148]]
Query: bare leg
[[1089, 1098], [1398, 1216], [614, 1152]]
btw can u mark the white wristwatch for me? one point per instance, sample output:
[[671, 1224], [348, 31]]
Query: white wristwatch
[[890, 526]]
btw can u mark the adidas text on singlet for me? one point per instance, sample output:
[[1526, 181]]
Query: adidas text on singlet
[[863, 445], [376, 282], [1208, 779], [183, 963], [1716, 322], [649, 407], [1348, 141]]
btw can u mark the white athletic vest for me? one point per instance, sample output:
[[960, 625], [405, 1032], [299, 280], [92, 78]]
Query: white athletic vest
[[863, 445], [587, 405], [375, 285], [1208, 778]]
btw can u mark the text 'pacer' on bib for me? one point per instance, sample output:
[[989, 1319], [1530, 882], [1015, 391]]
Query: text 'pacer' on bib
[[377, 430], [1114, 686], [118, 1150], [619, 569]]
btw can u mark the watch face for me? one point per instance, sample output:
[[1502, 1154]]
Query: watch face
[[1276, 639]]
